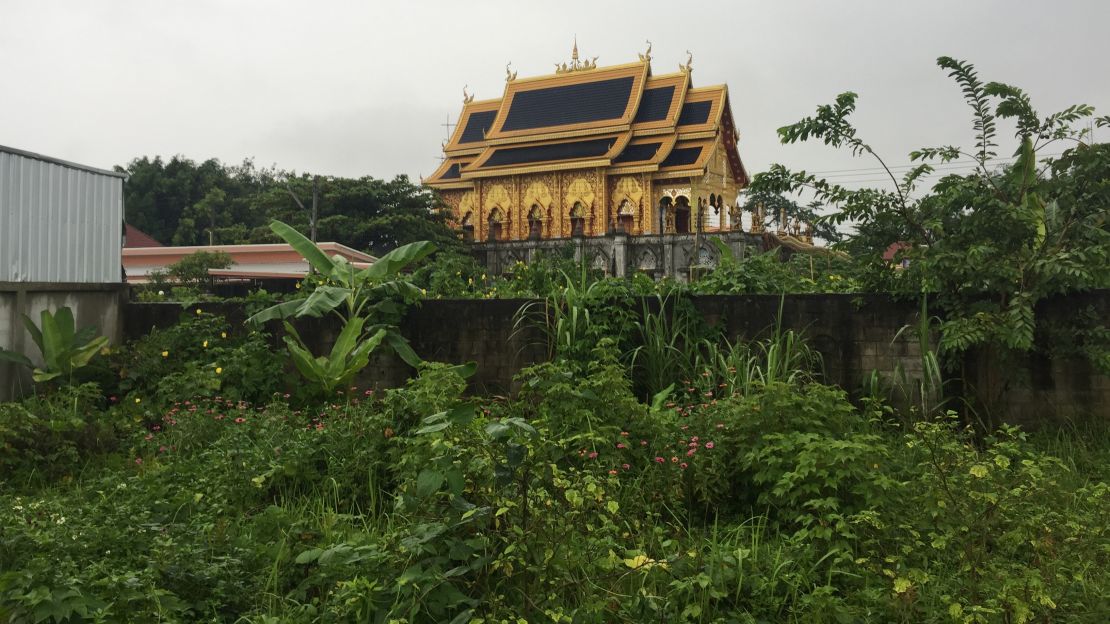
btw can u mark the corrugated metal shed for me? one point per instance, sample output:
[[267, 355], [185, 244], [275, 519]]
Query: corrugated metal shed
[[59, 221]]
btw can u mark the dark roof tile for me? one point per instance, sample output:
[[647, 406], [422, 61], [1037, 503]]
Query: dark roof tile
[[593, 148], [569, 104]]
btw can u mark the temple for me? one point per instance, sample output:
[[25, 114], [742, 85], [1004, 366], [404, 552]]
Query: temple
[[591, 152], [591, 149]]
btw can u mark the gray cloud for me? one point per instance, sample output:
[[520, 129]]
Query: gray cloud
[[356, 88]]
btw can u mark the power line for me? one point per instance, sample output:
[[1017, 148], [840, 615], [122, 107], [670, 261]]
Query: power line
[[971, 163]]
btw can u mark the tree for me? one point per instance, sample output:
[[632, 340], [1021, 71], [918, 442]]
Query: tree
[[985, 246]]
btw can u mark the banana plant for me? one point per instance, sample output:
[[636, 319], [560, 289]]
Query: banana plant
[[64, 349], [361, 298]]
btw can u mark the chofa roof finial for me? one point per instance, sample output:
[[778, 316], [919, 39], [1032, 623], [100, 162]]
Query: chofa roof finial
[[467, 97], [646, 56], [689, 66], [509, 75]]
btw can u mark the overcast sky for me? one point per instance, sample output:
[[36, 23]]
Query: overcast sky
[[362, 88]]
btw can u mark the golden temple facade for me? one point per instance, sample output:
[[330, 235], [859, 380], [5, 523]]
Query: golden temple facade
[[590, 150]]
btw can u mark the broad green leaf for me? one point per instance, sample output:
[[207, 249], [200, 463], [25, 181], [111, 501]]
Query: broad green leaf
[[428, 482], [36, 334], [403, 349], [53, 347], [81, 355], [344, 345], [394, 261], [282, 310], [323, 300], [13, 357], [302, 245]]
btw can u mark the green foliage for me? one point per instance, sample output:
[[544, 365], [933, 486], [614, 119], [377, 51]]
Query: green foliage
[[200, 355], [987, 246], [64, 349], [46, 437], [366, 300], [188, 203]]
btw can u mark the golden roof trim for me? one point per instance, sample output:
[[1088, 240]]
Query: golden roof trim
[[536, 167], [624, 170], [573, 75], [450, 186], [566, 134], [685, 173]]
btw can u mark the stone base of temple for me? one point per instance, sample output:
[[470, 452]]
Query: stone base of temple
[[620, 255]]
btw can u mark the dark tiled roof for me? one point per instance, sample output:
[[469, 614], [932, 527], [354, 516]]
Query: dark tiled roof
[[476, 126], [682, 156], [636, 153], [452, 173], [654, 104], [570, 104], [694, 113], [592, 148]]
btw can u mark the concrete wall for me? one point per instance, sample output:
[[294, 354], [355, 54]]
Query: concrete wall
[[98, 305], [620, 255], [854, 333]]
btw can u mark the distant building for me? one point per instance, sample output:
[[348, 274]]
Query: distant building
[[267, 261], [590, 150], [60, 222]]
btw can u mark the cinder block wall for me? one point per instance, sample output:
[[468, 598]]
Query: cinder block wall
[[855, 334], [98, 305]]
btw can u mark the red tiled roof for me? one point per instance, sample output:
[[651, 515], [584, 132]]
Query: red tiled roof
[[894, 248], [134, 237]]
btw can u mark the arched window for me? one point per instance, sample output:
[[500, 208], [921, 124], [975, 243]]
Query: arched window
[[577, 219], [535, 222], [496, 224]]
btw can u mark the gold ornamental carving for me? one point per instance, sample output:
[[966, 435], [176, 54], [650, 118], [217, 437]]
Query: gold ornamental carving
[[496, 197], [537, 194], [627, 189], [579, 191]]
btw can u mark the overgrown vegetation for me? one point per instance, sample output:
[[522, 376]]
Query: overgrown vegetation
[[650, 470]]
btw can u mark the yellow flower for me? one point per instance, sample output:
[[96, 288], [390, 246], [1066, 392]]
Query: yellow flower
[[165, 354], [198, 311], [298, 284], [219, 370], [424, 292], [483, 276], [138, 400], [223, 334], [204, 344]]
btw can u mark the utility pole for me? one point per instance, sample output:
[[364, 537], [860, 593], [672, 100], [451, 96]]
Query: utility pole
[[315, 199], [315, 202]]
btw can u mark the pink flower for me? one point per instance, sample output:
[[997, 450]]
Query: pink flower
[[138, 461], [720, 425], [643, 442], [149, 436], [693, 445], [694, 439], [625, 466], [674, 460], [690, 453], [621, 445], [659, 460], [612, 472], [161, 449], [709, 445], [624, 434], [592, 455], [156, 427], [240, 420], [682, 465]]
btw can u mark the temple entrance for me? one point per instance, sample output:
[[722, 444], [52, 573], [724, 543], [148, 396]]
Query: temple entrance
[[496, 223], [468, 227], [625, 217], [535, 223], [682, 215], [578, 220]]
